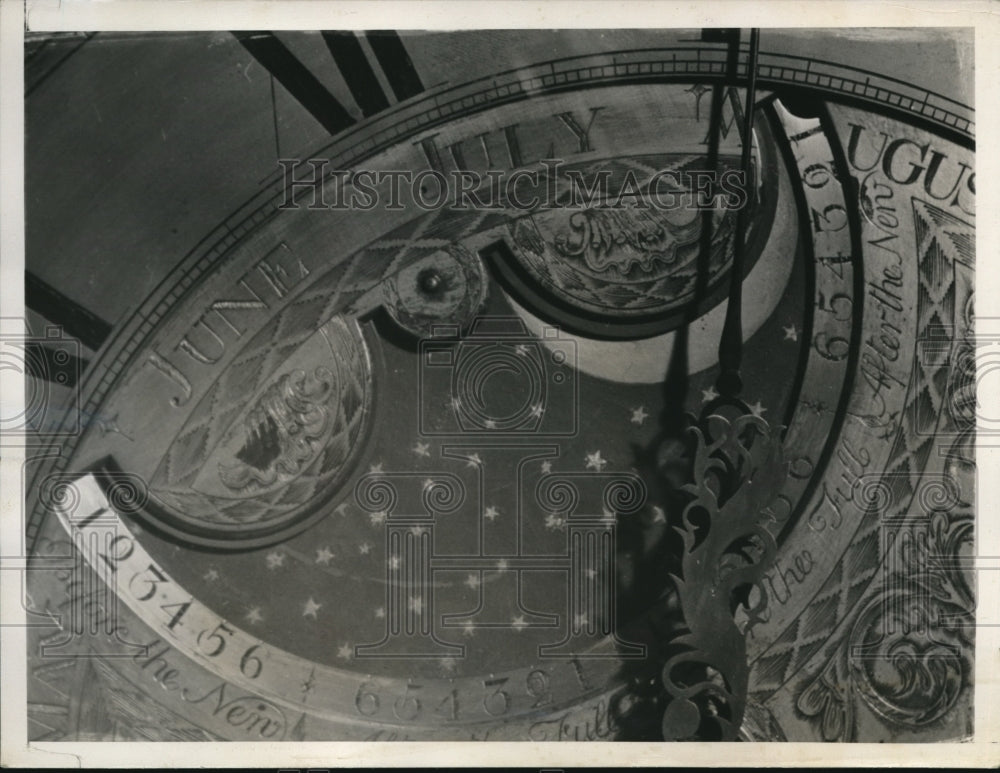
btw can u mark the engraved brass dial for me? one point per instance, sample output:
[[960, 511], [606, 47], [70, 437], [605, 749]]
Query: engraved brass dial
[[357, 471]]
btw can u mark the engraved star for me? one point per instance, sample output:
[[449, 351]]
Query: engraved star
[[554, 521], [518, 623], [415, 604], [211, 575], [275, 559], [323, 556], [791, 334], [375, 469], [308, 684], [468, 628], [254, 615], [757, 409], [658, 515], [537, 410], [639, 415], [707, 395], [110, 426], [311, 608], [818, 406], [472, 581], [364, 548], [473, 461], [422, 449], [546, 468], [490, 424], [491, 513], [595, 462], [377, 518], [380, 612], [345, 651]]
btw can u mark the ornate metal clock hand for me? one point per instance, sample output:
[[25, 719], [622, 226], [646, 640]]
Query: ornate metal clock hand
[[737, 465]]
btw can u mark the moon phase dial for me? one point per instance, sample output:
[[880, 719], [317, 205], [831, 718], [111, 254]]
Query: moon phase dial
[[627, 267], [413, 472]]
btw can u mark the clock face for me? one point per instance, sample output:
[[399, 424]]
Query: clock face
[[390, 386]]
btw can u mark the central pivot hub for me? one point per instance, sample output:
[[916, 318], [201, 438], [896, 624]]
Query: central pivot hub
[[430, 282]]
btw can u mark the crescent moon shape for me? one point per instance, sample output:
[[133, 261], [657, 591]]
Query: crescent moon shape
[[645, 361]]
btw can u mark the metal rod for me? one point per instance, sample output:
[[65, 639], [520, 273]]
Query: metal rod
[[730, 382]]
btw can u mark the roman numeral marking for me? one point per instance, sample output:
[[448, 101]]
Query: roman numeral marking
[[296, 77], [353, 65], [74, 319], [358, 73], [396, 63]]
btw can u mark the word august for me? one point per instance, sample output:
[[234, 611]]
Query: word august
[[309, 184]]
